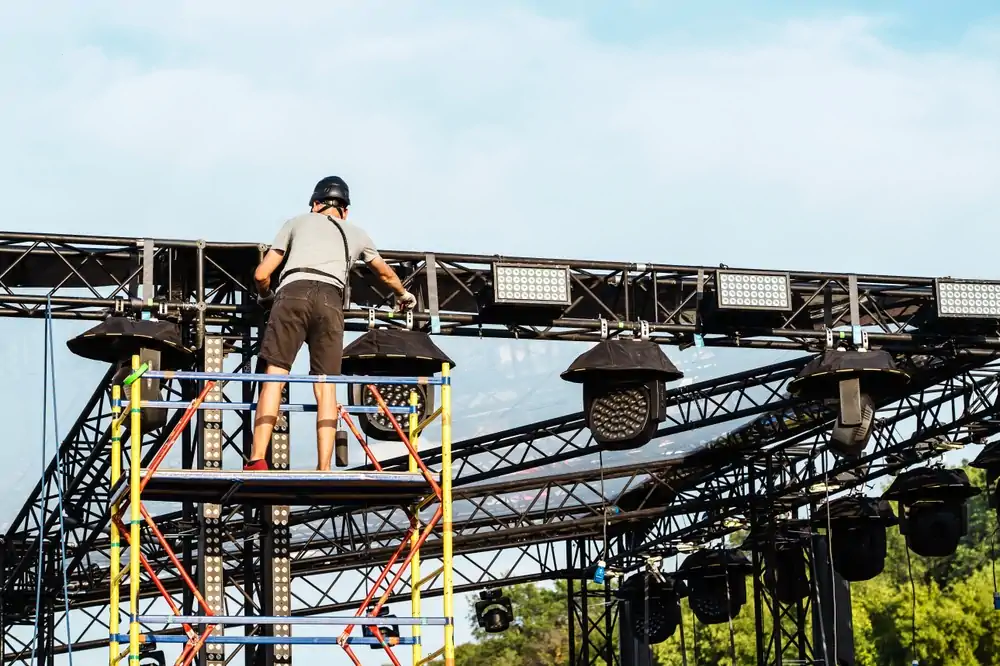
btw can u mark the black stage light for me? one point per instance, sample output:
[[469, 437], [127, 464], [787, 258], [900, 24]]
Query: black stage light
[[623, 390], [664, 603], [989, 460], [855, 379], [526, 293], [388, 631], [494, 612], [158, 344], [785, 571], [716, 581], [933, 515], [389, 352], [967, 299], [150, 656], [857, 534]]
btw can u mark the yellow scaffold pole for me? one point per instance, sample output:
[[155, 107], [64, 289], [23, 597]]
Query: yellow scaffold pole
[[135, 462], [116, 474], [446, 537], [415, 538]]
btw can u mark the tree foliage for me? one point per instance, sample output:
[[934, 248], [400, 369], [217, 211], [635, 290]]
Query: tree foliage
[[948, 599]]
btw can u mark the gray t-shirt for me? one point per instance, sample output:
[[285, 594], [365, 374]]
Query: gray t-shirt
[[312, 241]]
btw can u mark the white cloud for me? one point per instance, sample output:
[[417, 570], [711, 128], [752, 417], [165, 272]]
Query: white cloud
[[807, 144]]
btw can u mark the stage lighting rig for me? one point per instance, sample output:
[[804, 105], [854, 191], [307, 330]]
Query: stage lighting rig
[[494, 611], [785, 566], [391, 352], [716, 580], [933, 515], [756, 290], [624, 384], [526, 293], [854, 379], [989, 460], [388, 631], [150, 656], [857, 536], [157, 343], [662, 595], [967, 299]]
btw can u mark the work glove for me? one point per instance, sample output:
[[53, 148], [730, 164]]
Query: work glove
[[266, 300], [406, 301]]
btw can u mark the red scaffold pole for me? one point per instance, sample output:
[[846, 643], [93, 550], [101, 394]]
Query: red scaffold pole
[[361, 439], [399, 574], [406, 440]]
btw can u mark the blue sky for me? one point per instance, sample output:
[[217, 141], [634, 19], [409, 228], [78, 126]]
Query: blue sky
[[851, 136]]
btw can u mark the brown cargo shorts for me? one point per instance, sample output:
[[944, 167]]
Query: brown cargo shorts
[[311, 312]]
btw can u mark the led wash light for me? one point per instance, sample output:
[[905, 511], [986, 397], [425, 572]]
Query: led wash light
[[523, 284], [753, 291], [971, 299]]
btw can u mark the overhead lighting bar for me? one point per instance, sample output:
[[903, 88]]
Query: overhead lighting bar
[[527, 284], [753, 290], [968, 299]]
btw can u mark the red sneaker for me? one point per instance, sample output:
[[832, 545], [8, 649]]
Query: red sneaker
[[256, 466]]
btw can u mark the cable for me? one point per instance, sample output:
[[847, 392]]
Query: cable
[[829, 555], [41, 521], [913, 610], [59, 477]]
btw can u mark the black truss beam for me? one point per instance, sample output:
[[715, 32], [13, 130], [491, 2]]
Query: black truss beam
[[84, 276]]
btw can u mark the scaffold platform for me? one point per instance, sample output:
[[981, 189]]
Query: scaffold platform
[[419, 488], [348, 489]]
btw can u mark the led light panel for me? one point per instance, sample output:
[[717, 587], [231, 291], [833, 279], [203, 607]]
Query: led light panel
[[967, 298], [753, 291], [531, 285]]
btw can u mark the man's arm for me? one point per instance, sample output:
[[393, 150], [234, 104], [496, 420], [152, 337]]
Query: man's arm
[[387, 275], [270, 263], [273, 258], [376, 264]]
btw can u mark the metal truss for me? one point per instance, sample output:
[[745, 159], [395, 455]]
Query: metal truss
[[527, 547], [84, 276], [514, 528]]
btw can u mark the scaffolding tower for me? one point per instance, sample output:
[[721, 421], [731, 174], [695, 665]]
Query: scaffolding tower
[[414, 490]]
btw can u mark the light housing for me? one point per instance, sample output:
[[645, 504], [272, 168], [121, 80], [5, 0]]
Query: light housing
[[525, 293], [785, 566], [664, 602], [753, 290], [158, 344], [390, 352], [933, 512], [716, 581], [623, 390], [967, 299], [494, 611], [388, 631], [857, 534], [527, 284], [855, 379]]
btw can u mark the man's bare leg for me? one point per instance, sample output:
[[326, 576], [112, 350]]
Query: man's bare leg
[[326, 423], [267, 414]]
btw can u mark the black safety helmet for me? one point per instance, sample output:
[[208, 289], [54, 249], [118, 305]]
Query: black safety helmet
[[331, 188]]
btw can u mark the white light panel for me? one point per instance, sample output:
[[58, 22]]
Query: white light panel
[[978, 300], [531, 285], [753, 291]]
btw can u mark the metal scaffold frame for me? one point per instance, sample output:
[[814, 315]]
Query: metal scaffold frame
[[127, 492]]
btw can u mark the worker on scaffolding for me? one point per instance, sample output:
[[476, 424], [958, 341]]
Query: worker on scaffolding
[[319, 249]]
